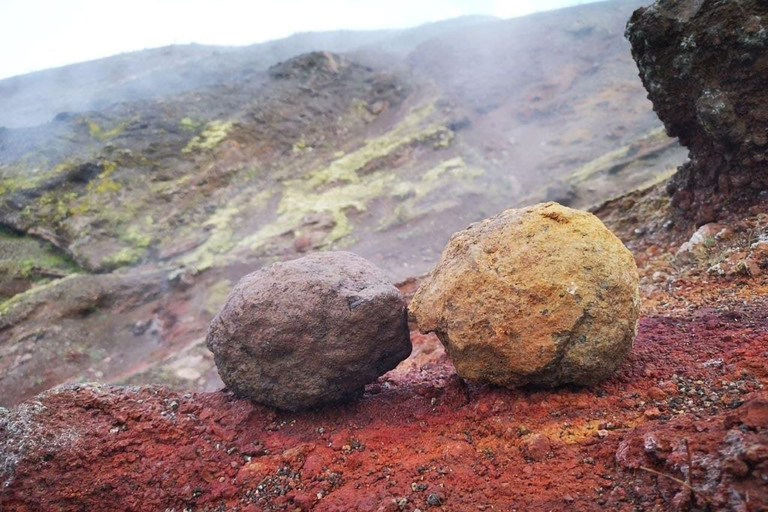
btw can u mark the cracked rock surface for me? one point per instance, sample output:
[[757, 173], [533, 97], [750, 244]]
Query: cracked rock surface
[[705, 66], [543, 295], [309, 332]]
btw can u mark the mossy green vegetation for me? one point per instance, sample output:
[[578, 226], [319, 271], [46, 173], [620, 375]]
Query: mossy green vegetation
[[340, 187], [9, 306], [220, 225], [57, 205], [190, 125], [28, 257], [116, 204], [29, 261], [15, 178], [96, 131], [216, 295], [66, 199], [19, 178], [414, 129], [104, 186], [211, 136], [138, 236], [412, 196], [54, 206], [360, 107], [300, 145], [108, 167], [654, 138], [124, 257], [209, 215], [333, 190]]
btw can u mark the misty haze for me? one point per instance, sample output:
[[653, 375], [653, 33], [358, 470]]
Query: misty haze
[[440, 255]]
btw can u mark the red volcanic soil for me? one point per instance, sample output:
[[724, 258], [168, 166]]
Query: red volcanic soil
[[422, 439]]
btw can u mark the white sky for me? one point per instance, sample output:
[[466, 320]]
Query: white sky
[[39, 34]]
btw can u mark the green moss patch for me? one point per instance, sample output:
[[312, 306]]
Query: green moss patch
[[220, 226], [24, 259], [96, 131], [414, 197], [341, 186], [619, 158], [123, 257], [26, 256], [216, 295], [213, 133]]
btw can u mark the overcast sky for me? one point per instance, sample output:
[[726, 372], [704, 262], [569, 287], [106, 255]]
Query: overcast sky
[[39, 34]]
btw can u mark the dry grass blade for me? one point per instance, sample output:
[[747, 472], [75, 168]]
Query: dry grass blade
[[681, 482], [692, 497]]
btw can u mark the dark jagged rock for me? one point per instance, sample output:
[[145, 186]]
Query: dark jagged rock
[[309, 332], [306, 65], [705, 66]]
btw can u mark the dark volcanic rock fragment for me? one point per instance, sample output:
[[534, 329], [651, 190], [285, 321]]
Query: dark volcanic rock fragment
[[705, 66], [310, 331]]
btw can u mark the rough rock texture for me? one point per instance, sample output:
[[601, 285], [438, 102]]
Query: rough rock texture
[[697, 248], [417, 433], [730, 475], [695, 375], [544, 295], [705, 66], [310, 331]]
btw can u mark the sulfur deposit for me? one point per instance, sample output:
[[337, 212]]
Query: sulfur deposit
[[543, 295]]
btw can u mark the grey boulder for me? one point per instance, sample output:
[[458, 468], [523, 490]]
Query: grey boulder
[[309, 332]]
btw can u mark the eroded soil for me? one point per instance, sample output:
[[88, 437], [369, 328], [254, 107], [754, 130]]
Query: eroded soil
[[421, 438], [126, 226]]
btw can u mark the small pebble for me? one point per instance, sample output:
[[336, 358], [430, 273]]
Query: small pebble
[[434, 500], [735, 466], [652, 414]]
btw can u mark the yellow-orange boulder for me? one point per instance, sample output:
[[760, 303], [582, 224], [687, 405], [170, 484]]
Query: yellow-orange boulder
[[544, 295]]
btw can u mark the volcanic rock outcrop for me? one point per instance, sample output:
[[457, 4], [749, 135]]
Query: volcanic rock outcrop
[[544, 295], [705, 66], [309, 332]]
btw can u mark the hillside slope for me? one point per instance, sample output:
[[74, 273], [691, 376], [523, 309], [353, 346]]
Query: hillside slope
[[145, 212], [420, 438], [138, 218], [36, 98]]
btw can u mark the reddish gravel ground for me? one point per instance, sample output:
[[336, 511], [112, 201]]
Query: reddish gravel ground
[[422, 439], [690, 395]]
